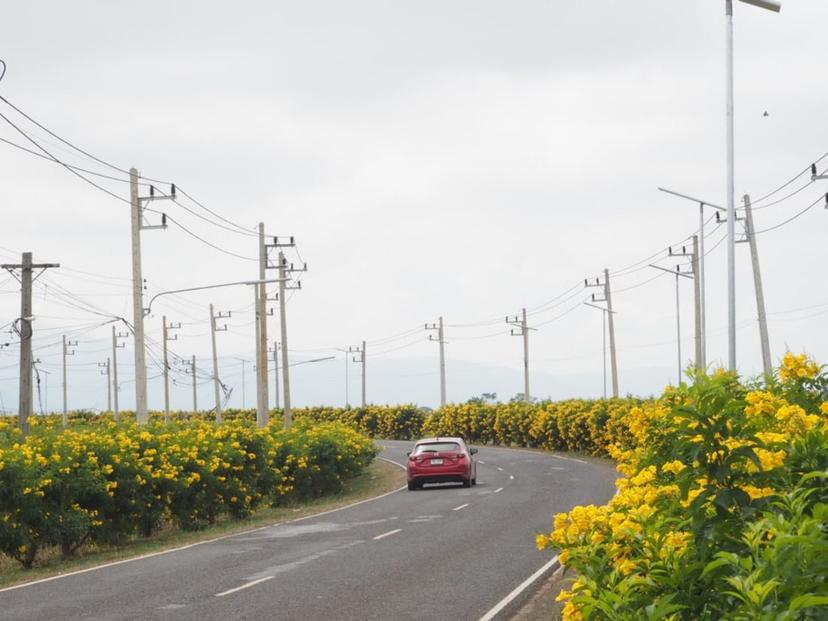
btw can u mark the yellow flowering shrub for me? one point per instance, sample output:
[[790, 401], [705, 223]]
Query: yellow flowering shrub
[[106, 482], [706, 468]]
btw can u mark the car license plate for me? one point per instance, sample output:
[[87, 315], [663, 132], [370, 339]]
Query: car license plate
[[437, 462]]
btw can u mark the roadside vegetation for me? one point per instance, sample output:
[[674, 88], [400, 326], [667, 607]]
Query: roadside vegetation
[[723, 512], [103, 483]]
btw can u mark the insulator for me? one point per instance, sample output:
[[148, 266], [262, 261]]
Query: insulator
[[172, 190], [152, 190], [163, 219]]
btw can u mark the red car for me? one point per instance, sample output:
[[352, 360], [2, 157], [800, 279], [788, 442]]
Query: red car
[[440, 460]]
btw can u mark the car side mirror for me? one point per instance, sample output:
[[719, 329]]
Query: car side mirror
[[473, 451], [408, 453]]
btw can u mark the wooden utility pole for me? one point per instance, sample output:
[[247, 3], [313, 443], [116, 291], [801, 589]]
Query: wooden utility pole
[[750, 233], [23, 327]]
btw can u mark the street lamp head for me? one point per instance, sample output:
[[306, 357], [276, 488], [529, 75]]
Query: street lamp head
[[770, 5]]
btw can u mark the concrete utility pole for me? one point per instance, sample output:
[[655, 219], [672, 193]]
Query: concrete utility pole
[[702, 270], [678, 273], [66, 352], [288, 414], [750, 234], [106, 366], [244, 387], [605, 285], [694, 262], [195, 384], [115, 347], [137, 220], [166, 338], [603, 340], [522, 330], [361, 352], [216, 381], [23, 327], [611, 326], [284, 269], [438, 327], [275, 352], [262, 405]]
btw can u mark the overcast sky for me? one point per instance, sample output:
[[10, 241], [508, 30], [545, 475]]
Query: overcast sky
[[461, 159]]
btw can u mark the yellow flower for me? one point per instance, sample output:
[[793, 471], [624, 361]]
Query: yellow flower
[[797, 367], [674, 467]]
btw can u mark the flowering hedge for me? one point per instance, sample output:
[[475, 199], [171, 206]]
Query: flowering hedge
[[590, 426], [723, 513], [106, 482]]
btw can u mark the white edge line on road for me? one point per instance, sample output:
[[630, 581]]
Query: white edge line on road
[[244, 586], [388, 534], [498, 490], [460, 507], [520, 588], [206, 541]]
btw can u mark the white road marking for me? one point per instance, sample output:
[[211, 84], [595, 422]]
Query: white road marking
[[500, 469], [388, 534], [511, 477], [480, 461], [518, 590], [460, 507], [245, 586], [498, 490]]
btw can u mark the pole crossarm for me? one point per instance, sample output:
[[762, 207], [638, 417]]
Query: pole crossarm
[[675, 272]]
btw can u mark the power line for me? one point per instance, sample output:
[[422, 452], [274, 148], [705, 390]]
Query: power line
[[789, 182], [794, 217], [201, 239]]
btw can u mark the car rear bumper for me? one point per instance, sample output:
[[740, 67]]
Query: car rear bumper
[[439, 474], [439, 478]]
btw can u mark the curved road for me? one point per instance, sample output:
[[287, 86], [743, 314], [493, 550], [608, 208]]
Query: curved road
[[443, 552]]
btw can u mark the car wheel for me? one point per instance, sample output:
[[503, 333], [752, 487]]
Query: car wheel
[[474, 481], [467, 482], [412, 486]]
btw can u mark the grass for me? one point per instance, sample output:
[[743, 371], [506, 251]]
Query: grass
[[378, 478]]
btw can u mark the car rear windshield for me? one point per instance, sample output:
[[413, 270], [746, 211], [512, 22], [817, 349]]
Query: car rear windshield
[[437, 447]]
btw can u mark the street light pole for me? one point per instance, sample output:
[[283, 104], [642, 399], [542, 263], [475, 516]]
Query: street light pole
[[770, 5], [731, 197]]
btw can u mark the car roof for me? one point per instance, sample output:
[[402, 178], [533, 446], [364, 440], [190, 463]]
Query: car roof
[[440, 439]]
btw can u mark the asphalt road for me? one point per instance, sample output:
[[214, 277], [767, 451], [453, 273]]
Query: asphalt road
[[442, 552]]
